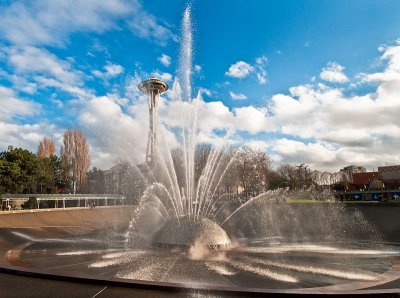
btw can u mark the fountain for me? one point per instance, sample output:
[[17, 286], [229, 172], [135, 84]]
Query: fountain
[[183, 235]]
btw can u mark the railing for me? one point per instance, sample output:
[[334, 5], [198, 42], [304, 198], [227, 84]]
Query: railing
[[67, 200]]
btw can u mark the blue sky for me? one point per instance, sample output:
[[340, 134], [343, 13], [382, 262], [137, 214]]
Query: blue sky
[[314, 82]]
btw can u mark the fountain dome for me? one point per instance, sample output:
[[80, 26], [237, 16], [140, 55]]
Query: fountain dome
[[185, 232]]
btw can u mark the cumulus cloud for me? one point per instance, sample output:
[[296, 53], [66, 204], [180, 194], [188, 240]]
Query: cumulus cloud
[[165, 60], [243, 69], [239, 70], [111, 130], [28, 136], [391, 55], [237, 96], [333, 72], [345, 129], [253, 120]]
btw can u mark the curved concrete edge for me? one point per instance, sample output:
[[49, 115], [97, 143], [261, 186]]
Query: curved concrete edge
[[177, 287]]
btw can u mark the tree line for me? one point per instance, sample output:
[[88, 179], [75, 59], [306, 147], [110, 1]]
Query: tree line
[[245, 170], [22, 171], [236, 170]]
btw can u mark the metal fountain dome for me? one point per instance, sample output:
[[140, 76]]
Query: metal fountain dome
[[184, 232]]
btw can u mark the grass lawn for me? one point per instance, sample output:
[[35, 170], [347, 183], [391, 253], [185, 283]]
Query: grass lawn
[[308, 201]]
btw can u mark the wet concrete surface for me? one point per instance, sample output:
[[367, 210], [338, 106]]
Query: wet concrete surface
[[36, 255]]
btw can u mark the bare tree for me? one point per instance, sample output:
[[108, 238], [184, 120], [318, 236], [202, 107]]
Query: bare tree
[[76, 159], [46, 148], [253, 168], [296, 177]]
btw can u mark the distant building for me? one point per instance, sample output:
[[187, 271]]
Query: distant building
[[367, 180], [390, 175], [113, 178], [353, 169]]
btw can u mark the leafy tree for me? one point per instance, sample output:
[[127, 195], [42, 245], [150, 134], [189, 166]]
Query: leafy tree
[[18, 171], [60, 179], [46, 172]]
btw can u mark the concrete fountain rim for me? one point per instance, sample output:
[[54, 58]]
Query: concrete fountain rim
[[342, 289]]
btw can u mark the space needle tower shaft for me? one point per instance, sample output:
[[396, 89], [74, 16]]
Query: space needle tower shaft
[[152, 88]]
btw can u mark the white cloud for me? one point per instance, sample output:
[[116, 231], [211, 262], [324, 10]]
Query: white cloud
[[12, 106], [115, 133], [110, 70], [39, 61], [165, 60], [49, 22], [333, 72], [391, 54], [12, 109], [113, 69], [237, 96], [19, 82], [27, 136], [145, 25], [261, 73], [253, 120], [112, 131], [164, 76], [243, 69], [35, 68], [315, 155], [344, 129], [257, 144], [205, 91], [74, 90], [211, 115], [239, 70]]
